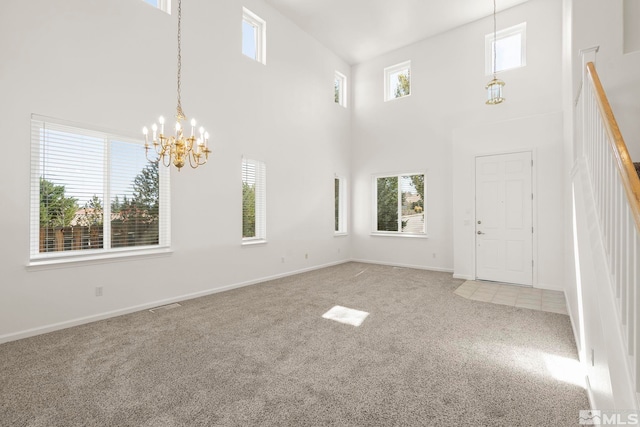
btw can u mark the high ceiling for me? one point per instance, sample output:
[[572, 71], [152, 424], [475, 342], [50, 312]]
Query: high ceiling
[[358, 30]]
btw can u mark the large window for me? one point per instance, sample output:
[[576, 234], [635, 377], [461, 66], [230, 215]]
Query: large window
[[397, 81], [340, 199], [340, 89], [509, 47], [254, 203], [93, 192], [254, 36], [400, 204]]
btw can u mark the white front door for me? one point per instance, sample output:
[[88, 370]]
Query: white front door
[[504, 226]]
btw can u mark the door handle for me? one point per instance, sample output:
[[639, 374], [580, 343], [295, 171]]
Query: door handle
[[480, 232]]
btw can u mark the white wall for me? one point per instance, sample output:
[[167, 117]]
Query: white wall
[[112, 64], [541, 135], [600, 23], [419, 133]]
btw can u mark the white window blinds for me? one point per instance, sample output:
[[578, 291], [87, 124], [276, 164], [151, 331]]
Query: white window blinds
[[93, 192], [254, 200]]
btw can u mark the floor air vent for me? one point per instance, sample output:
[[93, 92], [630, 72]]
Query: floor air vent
[[165, 307]]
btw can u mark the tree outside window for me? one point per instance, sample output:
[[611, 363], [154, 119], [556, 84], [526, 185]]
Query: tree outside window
[[400, 204]]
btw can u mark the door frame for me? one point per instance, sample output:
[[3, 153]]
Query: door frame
[[534, 208]]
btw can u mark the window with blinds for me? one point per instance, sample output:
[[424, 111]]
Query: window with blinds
[[399, 204], [93, 192], [254, 203], [340, 196]]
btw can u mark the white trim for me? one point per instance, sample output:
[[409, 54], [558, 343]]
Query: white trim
[[463, 277], [343, 227], [108, 136], [534, 210], [106, 315], [398, 234], [503, 34], [374, 207], [261, 34], [406, 65], [401, 265], [260, 200], [253, 241], [342, 88], [95, 259]]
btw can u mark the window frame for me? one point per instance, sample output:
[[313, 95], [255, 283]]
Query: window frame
[[163, 5], [341, 81], [261, 35], [106, 252], [341, 209], [388, 71], [503, 34], [260, 203], [374, 216]]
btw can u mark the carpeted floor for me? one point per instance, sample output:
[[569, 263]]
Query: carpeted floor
[[264, 356]]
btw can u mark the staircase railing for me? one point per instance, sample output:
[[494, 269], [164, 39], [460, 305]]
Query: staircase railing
[[616, 190]]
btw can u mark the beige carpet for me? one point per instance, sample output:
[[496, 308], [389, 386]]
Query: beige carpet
[[264, 356]]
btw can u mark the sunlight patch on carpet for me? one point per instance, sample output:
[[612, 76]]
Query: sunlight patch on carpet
[[346, 315]]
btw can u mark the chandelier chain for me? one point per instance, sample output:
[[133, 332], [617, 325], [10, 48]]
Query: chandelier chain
[[179, 113], [495, 47]]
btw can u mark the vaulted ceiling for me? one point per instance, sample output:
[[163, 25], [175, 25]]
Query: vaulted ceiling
[[358, 30]]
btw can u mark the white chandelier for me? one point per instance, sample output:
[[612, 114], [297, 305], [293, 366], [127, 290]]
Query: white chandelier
[[178, 148]]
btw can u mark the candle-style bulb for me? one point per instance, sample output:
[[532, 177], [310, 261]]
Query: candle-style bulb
[[145, 131], [193, 122], [161, 120], [154, 127]]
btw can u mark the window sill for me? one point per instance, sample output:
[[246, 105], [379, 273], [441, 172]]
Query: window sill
[[340, 234], [396, 98], [403, 235], [101, 258], [253, 242]]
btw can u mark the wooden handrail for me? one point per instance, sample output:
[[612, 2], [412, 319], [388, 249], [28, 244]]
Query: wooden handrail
[[624, 163]]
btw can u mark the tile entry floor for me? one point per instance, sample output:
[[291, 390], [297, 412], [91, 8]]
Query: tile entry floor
[[513, 295]]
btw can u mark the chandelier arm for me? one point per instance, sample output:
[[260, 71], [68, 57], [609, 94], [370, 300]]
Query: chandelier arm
[[174, 149]]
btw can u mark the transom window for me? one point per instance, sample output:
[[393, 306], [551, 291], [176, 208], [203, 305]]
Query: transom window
[[254, 201], [93, 192], [397, 81], [399, 204], [164, 5], [509, 46], [254, 36], [340, 89]]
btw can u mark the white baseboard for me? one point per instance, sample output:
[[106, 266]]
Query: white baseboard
[[101, 316], [392, 264], [548, 287], [463, 277]]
